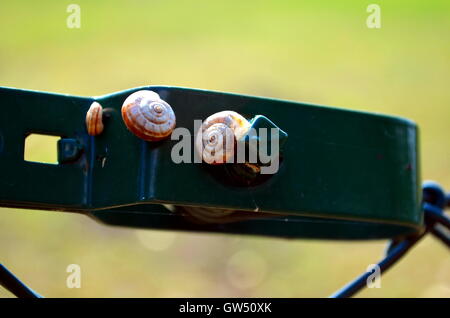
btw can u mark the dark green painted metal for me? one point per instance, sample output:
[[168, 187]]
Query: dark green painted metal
[[68, 150], [262, 122], [344, 174]]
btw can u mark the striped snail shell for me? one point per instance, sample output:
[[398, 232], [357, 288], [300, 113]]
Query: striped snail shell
[[94, 119], [147, 116], [216, 139]]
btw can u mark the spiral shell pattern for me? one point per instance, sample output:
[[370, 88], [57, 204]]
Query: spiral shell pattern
[[147, 116], [94, 119], [216, 139]]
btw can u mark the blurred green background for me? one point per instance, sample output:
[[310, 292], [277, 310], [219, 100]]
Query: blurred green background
[[318, 52]]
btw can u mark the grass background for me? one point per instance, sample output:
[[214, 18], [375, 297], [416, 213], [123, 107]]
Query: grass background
[[319, 52]]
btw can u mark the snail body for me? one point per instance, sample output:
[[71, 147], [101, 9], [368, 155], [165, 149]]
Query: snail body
[[147, 116], [216, 139], [94, 119]]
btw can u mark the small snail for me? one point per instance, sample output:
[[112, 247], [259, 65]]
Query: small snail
[[147, 116], [216, 139], [94, 119]]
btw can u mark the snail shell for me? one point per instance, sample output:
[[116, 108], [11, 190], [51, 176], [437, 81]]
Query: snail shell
[[216, 139], [147, 116], [94, 119]]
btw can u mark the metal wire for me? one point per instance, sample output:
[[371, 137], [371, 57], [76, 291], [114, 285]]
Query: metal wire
[[438, 223], [396, 252], [434, 205], [9, 281], [436, 215], [441, 235]]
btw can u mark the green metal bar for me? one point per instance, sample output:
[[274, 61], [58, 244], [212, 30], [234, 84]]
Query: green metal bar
[[344, 175]]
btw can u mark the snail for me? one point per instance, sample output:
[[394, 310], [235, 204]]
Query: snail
[[147, 116], [216, 139], [94, 119]]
